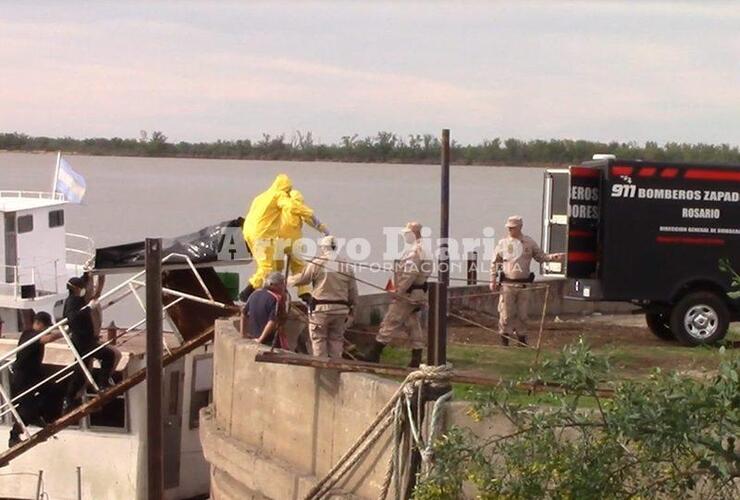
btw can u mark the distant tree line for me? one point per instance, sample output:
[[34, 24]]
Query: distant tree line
[[382, 147]]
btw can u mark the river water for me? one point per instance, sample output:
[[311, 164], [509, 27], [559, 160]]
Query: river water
[[129, 199]]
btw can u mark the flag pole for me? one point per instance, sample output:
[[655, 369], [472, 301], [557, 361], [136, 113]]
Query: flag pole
[[56, 174]]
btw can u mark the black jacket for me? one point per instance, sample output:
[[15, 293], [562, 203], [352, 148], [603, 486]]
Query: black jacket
[[28, 361], [79, 321]]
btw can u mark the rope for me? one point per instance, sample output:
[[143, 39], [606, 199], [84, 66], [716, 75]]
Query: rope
[[390, 413], [484, 327]]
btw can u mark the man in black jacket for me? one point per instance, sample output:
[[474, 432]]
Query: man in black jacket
[[27, 373], [85, 339]]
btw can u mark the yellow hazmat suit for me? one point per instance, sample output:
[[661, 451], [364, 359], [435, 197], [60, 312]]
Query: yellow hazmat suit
[[262, 226], [294, 214]]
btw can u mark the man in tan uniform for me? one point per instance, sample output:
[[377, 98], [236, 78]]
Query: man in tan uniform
[[402, 318], [510, 273], [333, 299]]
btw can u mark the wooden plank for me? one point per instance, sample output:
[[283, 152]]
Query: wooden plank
[[100, 400], [460, 377]]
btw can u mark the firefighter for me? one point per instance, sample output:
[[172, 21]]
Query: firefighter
[[261, 230], [510, 273], [403, 316], [294, 214], [333, 299]]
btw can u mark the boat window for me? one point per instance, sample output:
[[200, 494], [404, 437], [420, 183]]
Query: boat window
[[201, 392], [112, 416], [56, 218], [25, 224]]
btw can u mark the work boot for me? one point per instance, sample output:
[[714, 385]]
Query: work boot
[[70, 404], [504, 340], [415, 358], [105, 383], [15, 435], [373, 355], [244, 294], [522, 339]]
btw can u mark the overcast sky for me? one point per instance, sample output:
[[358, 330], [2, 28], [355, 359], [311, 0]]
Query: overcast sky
[[201, 71]]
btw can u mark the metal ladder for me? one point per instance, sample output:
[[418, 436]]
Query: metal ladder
[[113, 296]]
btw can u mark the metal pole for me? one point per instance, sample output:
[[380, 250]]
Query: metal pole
[[79, 483], [472, 267], [155, 429], [444, 260], [40, 485], [7, 400], [56, 175], [78, 358]]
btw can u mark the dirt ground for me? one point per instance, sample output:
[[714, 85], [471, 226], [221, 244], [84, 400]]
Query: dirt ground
[[599, 331]]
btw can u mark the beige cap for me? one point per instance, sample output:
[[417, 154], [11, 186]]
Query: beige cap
[[514, 221], [412, 227]]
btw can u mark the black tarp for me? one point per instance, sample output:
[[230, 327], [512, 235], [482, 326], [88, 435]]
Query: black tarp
[[201, 246]]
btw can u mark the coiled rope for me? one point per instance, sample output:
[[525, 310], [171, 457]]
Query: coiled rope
[[391, 414]]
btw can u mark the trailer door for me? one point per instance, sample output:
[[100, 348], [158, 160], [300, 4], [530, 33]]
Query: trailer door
[[555, 219]]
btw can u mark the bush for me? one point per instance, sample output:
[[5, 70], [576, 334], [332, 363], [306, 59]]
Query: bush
[[671, 436]]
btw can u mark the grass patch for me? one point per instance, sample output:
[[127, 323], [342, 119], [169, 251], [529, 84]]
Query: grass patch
[[628, 362]]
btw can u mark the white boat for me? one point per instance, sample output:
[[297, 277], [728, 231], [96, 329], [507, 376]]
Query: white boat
[[103, 457]]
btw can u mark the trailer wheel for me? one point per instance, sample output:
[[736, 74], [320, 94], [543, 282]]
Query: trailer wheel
[[660, 325], [700, 318]]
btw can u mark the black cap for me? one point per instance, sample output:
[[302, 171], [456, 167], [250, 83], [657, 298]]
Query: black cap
[[43, 317]]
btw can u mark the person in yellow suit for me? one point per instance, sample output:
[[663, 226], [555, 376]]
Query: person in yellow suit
[[294, 214], [261, 230]]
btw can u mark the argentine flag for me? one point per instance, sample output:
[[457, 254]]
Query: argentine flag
[[71, 184]]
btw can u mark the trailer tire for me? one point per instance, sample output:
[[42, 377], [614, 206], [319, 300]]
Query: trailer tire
[[700, 318], [659, 324]]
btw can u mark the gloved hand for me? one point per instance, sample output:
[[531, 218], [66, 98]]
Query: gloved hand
[[306, 298], [350, 320], [323, 229]]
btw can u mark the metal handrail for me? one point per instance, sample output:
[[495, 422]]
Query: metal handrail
[[132, 283], [88, 252], [36, 272], [42, 195]]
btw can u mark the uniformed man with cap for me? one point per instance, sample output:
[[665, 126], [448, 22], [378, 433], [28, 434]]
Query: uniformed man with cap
[[402, 318], [510, 273], [332, 299]]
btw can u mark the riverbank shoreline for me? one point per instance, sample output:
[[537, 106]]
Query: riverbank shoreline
[[291, 160]]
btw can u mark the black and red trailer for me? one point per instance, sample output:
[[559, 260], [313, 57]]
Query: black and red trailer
[[662, 235]]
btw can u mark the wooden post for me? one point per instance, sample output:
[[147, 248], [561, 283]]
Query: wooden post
[[444, 261], [155, 428], [79, 483], [432, 322]]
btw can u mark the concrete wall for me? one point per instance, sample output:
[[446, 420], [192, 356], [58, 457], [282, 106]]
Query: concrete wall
[[478, 297], [274, 430]]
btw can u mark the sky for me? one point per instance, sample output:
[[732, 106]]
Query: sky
[[201, 71]]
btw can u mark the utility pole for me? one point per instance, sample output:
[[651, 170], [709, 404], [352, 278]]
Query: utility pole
[[154, 425], [444, 255]]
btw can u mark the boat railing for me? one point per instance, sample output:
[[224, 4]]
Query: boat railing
[[115, 295], [41, 195], [44, 278], [80, 250]]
